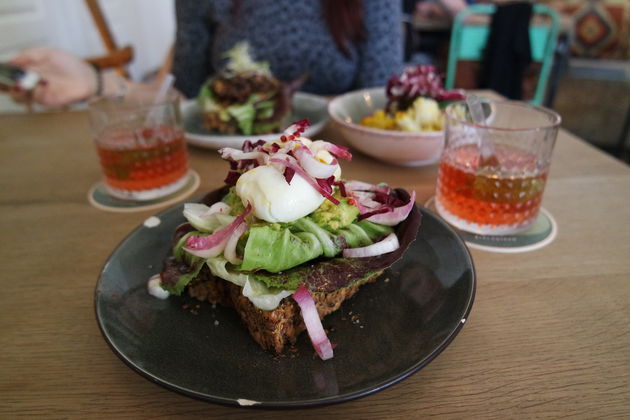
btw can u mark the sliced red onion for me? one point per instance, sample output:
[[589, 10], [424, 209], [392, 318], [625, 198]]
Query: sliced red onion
[[358, 204], [389, 244], [314, 326], [397, 215], [334, 149], [230, 247], [366, 199], [212, 245], [312, 165]]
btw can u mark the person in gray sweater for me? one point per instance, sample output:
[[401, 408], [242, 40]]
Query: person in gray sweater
[[340, 44]]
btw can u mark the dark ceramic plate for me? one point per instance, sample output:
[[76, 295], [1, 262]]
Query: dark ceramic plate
[[389, 330]]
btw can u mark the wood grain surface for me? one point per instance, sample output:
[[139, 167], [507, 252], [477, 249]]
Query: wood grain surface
[[548, 336]]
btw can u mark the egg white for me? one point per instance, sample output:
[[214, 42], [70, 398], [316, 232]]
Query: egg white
[[273, 199]]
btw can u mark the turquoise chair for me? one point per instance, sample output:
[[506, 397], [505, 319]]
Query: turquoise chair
[[469, 40]]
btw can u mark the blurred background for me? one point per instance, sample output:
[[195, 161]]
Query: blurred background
[[589, 86], [148, 26]]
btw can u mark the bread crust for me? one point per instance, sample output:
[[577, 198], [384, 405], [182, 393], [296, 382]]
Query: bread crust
[[272, 330]]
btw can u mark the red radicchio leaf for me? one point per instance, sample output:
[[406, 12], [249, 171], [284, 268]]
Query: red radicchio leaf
[[298, 127], [373, 212], [326, 184], [414, 82], [342, 188], [232, 177], [387, 199], [314, 183], [288, 174]]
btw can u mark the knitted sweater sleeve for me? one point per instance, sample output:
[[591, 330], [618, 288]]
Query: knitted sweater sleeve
[[193, 40], [381, 55]]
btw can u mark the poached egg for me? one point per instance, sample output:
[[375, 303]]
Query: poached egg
[[273, 199]]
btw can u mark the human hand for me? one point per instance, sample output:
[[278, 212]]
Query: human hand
[[65, 78]]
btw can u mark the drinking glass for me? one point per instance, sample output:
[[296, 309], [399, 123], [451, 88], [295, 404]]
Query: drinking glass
[[140, 144], [492, 174]]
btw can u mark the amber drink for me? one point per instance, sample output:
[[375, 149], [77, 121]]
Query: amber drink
[[492, 175], [141, 146]]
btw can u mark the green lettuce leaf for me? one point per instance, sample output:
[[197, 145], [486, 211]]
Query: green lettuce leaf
[[264, 109], [266, 127], [325, 238], [244, 116], [179, 274], [277, 249]]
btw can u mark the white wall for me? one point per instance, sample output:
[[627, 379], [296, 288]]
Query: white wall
[[148, 25]]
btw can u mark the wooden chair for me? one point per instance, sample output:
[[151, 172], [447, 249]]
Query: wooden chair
[[116, 58]]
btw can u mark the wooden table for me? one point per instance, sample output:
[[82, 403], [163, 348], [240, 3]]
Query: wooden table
[[548, 336]]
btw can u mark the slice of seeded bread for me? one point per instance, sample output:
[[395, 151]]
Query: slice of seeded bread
[[272, 330]]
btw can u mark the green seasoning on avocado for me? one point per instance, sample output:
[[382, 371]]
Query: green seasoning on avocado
[[334, 217], [234, 201]]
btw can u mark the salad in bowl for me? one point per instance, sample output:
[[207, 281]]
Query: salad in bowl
[[401, 123], [415, 100]]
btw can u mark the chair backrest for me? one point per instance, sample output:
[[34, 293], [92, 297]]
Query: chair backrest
[[116, 58], [468, 41]]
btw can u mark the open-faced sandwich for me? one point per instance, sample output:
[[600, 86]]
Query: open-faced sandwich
[[287, 240], [244, 97]]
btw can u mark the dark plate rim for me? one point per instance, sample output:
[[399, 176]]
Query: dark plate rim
[[316, 402]]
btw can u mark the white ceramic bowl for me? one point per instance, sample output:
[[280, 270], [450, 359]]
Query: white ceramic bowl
[[397, 147]]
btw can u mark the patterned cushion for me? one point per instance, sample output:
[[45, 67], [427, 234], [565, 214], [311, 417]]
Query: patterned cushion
[[601, 28]]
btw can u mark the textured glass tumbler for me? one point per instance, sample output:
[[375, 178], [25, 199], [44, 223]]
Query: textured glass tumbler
[[492, 174], [141, 145]]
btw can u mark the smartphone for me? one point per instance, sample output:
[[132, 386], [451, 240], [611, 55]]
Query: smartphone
[[11, 76]]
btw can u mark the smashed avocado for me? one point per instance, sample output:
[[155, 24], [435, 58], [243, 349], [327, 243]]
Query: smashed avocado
[[333, 217], [234, 201]]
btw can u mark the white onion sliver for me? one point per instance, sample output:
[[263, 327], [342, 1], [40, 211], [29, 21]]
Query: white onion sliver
[[235, 154], [218, 207], [314, 326], [364, 202], [389, 244], [314, 167], [230, 247], [365, 186]]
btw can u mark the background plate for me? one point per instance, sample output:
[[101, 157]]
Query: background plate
[[389, 330], [305, 105]]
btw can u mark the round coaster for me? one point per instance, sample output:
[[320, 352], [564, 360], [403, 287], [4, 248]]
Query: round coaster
[[99, 198], [541, 233]]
